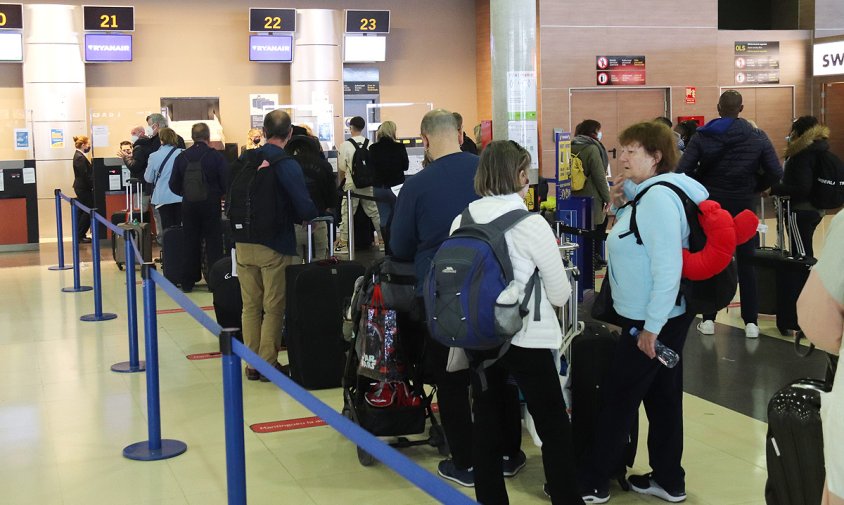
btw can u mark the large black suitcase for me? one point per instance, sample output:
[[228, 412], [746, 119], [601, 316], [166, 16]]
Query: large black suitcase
[[315, 296], [592, 353], [225, 288], [780, 279], [794, 447]]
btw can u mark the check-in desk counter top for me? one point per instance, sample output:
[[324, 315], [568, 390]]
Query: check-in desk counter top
[[18, 206]]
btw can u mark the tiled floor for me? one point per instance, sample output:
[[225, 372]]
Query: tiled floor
[[65, 417]]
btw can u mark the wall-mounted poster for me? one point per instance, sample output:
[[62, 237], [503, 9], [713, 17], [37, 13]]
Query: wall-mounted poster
[[691, 95], [22, 139], [57, 138], [757, 63], [259, 105], [620, 70]]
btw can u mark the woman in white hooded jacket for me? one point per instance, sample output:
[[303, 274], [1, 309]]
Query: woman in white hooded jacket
[[502, 180]]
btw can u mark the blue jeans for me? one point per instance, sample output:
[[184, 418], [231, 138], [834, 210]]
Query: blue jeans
[[385, 208]]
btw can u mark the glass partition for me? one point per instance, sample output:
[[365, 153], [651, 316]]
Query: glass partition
[[16, 140]]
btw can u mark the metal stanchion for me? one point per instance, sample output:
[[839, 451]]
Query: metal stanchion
[[155, 448], [59, 233], [98, 314], [350, 225], [133, 365], [74, 219], [233, 402]]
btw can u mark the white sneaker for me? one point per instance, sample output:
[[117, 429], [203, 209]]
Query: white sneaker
[[706, 327], [751, 330]]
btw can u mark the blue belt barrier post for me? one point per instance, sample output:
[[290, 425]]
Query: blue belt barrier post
[[233, 401], [98, 314], [155, 448], [74, 219], [61, 265], [133, 365]]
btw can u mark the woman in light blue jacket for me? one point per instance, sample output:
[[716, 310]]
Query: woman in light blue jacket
[[159, 168], [644, 277]]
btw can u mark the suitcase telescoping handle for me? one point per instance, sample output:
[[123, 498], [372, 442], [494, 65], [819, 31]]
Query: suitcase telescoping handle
[[134, 199], [325, 219], [783, 206]]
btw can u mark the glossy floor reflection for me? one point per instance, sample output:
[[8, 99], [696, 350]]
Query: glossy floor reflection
[[65, 417]]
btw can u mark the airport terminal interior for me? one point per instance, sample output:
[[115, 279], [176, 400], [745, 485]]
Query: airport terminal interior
[[523, 70]]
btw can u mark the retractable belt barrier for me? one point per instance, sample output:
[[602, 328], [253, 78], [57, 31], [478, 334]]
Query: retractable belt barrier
[[233, 351], [134, 364]]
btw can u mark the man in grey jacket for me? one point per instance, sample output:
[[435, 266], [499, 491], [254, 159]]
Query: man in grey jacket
[[735, 161]]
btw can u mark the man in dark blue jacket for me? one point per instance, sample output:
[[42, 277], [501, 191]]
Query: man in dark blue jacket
[[427, 204], [261, 264], [735, 161]]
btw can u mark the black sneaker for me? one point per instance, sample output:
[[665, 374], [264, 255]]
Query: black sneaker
[[596, 496], [510, 465], [645, 484], [448, 470]]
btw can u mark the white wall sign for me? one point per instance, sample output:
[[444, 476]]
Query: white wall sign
[[829, 58]]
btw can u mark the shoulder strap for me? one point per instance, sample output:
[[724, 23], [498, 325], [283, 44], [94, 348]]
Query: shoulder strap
[[357, 146], [163, 164], [493, 233], [634, 227], [365, 143]]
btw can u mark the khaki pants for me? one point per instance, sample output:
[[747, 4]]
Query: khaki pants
[[320, 243], [369, 207], [262, 284]]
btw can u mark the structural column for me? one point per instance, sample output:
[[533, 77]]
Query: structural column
[[54, 94], [514, 74], [316, 74]]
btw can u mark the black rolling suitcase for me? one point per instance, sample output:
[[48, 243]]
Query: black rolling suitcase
[[225, 288], [794, 447], [592, 353], [780, 277], [316, 294]]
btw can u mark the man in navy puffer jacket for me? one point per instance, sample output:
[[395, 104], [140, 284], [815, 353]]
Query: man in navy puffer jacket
[[734, 161]]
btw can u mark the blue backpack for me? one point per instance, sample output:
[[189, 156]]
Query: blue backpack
[[467, 275]]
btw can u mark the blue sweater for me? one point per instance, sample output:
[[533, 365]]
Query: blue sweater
[[427, 204], [645, 279]]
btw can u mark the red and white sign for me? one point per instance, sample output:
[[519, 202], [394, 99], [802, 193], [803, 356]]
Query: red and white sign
[[290, 424], [620, 70], [204, 355], [691, 95]]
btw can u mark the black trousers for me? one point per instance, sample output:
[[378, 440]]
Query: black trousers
[[536, 375], [806, 222], [171, 215], [634, 379], [83, 222], [744, 263], [202, 223]]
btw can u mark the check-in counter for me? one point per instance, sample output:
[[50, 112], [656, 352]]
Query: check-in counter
[[109, 194], [18, 206]]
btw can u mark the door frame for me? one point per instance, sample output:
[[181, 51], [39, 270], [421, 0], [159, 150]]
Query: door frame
[[793, 93], [837, 79], [667, 89]]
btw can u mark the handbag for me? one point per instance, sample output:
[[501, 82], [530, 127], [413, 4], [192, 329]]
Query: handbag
[[602, 308], [380, 355]]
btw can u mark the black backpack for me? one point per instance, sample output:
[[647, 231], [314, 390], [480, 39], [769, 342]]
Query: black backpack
[[827, 182], [702, 297], [255, 203], [194, 188], [362, 173]]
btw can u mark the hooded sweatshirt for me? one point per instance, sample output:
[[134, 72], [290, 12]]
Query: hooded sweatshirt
[[645, 278], [732, 159]]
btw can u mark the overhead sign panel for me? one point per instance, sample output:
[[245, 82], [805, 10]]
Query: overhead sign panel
[[367, 21], [620, 70], [271, 48], [272, 20], [11, 46], [98, 18], [757, 62], [107, 47], [829, 58], [11, 17]]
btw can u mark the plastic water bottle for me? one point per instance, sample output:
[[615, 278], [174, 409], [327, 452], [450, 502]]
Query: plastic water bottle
[[664, 354]]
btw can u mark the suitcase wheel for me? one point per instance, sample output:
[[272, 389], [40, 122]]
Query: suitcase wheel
[[120, 266], [365, 458]]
